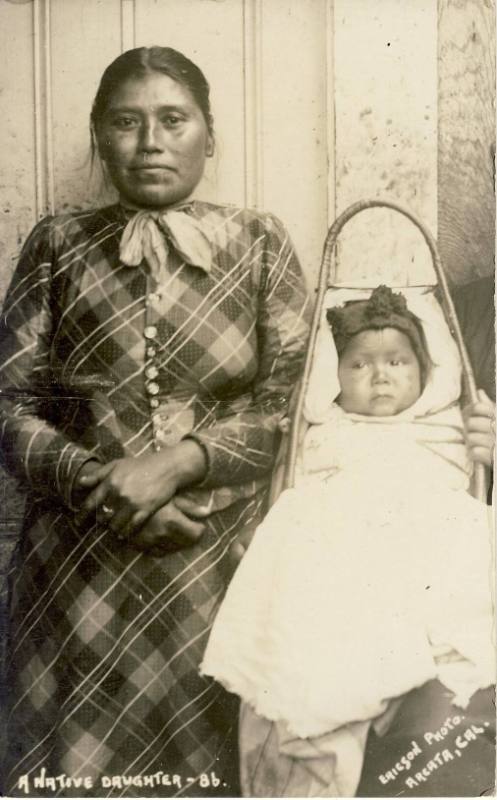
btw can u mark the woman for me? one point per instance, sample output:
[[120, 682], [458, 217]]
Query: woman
[[148, 348]]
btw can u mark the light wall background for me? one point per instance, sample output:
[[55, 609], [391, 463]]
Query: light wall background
[[317, 104]]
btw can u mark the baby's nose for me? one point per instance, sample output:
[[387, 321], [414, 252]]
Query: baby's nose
[[380, 373]]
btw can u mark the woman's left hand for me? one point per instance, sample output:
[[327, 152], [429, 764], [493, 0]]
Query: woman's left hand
[[126, 492], [479, 427], [169, 529]]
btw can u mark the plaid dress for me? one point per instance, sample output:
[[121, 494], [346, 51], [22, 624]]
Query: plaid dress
[[105, 694]]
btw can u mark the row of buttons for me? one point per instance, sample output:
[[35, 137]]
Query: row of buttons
[[151, 372]]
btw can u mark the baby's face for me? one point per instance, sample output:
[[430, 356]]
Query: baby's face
[[379, 373]]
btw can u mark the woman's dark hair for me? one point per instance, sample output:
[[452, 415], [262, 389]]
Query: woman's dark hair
[[143, 61]]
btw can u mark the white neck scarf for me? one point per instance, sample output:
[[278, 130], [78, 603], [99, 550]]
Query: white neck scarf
[[144, 237]]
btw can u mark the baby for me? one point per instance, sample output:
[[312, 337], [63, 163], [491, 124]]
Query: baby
[[368, 579]]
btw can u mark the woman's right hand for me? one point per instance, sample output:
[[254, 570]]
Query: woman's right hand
[[167, 530]]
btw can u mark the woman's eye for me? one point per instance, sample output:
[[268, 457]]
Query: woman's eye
[[172, 120], [124, 123], [396, 362]]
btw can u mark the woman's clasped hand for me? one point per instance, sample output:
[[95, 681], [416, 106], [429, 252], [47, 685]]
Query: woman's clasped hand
[[134, 496]]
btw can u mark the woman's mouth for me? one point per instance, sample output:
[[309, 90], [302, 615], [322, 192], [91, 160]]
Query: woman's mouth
[[152, 168]]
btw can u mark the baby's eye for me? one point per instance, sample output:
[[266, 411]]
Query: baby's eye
[[359, 365]]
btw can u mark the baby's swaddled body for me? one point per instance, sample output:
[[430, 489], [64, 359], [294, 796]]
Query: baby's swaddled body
[[374, 574], [369, 578]]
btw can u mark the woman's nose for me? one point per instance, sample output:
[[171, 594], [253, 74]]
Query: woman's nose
[[151, 138]]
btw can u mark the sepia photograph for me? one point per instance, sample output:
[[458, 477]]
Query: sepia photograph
[[247, 398]]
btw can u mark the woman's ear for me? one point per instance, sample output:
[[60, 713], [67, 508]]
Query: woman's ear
[[209, 147], [101, 144], [211, 141], [102, 150]]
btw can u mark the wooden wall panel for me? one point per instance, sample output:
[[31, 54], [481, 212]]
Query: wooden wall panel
[[385, 71], [17, 134], [466, 137]]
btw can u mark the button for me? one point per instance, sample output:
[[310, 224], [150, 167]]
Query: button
[[150, 332], [153, 388], [153, 297], [151, 372], [157, 448], [151, 351], [154, 403]]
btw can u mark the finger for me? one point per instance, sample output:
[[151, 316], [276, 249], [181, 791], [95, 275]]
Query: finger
[[179, 528], [476, 439], [485, 399], [484, 425], [237, 551], [147, 543], [192, 509], [98, 475], [96, 498], [173, 530], [88, 481], [127, 523], [185, 531], [119, 522], [479, 410], [91, 509], [482, 455], [99, 506], [245, 535], [482, 410]]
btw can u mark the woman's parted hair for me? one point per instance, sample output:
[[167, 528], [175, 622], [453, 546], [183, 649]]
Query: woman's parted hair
[[143, 61]]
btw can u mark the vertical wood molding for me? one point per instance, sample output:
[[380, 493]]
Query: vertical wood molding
[[128, 26], [330, 112], [252, 103], [44, 160]]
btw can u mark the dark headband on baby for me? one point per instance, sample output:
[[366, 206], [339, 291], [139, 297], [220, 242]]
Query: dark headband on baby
[[384, 309]]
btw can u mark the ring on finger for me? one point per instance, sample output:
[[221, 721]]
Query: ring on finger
[[107, 511]]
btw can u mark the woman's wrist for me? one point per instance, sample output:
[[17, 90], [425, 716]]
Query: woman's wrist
[[189, 463]]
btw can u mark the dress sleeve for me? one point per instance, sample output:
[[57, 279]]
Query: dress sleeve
[[241, 446], [32, 449]]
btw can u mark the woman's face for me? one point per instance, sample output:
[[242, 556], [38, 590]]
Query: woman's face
[[154, 140], [379, 373]]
